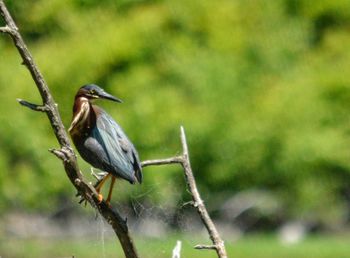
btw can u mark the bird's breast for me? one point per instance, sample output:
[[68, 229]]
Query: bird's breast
[[83, 119]]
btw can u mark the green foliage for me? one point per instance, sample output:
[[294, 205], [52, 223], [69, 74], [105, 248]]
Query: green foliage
[[262, 89]]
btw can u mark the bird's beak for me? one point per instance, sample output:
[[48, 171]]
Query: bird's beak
[[106, 95]]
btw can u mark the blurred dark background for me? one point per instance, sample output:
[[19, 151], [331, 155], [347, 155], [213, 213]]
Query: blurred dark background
[[261, 87]]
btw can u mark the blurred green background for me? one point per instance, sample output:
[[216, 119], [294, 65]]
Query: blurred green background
[[261, 87]]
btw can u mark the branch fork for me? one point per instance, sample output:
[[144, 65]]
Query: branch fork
[[67, 155], [6, 29], [197, 202], [35, 107]]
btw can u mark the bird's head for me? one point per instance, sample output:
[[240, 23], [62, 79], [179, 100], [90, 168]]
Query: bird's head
[[92, 91]]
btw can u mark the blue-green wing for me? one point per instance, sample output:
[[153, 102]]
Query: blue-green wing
[[121, 157]]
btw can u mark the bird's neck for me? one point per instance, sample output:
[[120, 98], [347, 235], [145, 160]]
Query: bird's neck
[[82, 116]]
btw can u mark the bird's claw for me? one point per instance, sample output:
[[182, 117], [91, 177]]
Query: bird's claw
[[99, 198], [99, 175]]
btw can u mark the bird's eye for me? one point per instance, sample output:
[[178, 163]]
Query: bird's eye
[[92, 92]]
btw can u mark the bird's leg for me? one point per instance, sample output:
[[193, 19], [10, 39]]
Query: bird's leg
[[101, 183], [99, 186], [110, 190]]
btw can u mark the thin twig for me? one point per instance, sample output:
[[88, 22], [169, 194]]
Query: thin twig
[[67, 155], [157, 162], [207, 247], [32, 106]]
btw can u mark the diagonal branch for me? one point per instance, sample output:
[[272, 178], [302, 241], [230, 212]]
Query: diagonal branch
[[65, 153], [68, 157], [218, 243], [197, 202]]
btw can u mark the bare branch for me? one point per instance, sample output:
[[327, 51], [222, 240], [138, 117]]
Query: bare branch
[[156, 162], [198, 202], [66, 153], [200, 247], [35, 107], [59, 154]]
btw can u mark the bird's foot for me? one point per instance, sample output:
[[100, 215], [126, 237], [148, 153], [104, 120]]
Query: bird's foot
[[99, 175], [99, 198]]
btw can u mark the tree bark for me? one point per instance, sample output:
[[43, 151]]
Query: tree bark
[[65, 153], [68, 157], [197, 202]]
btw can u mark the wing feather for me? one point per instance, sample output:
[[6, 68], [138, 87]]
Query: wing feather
[[121, 156]]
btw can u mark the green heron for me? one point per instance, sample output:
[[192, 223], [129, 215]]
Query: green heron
[[101, 141]]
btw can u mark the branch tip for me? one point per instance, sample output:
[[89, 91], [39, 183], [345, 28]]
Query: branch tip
[[59, 154], [184, 143], [35, 107]]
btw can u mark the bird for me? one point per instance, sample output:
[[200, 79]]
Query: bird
[[101, 142]]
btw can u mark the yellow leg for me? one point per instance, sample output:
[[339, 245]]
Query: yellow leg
[[101, 183], [110, 190], [99, 186]]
